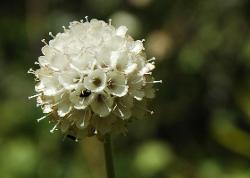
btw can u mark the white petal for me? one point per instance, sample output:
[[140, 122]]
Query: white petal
[[51, 86], [83, 63], [137, 94], [46, 50], [60, 41], [83, 118], [39, 87], [104, 124], [65, 124], [121, 31], [136, 47], [43, 61], [117, 84], [104, 58], [148, 67], [119, 60], [58, 62], [131, 68], [123, 107], [102, 105], [64, 108], [135, 84], [69, 79], [95, 81], [47, 108]]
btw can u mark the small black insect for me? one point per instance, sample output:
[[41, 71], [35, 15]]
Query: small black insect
[[71, 137], [85, 93]]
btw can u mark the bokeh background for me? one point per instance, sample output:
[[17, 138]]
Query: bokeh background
[[201, 125]]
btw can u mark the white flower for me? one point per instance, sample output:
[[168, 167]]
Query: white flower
[[102, 105], [81, 97], [117, 84], [93, 79]]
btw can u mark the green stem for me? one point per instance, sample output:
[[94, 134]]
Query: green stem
[[108, 157]]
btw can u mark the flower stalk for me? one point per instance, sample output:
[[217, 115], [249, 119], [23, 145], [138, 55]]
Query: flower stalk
[[109, 157]]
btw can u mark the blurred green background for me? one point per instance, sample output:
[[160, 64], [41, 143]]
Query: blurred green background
[[201, 125]]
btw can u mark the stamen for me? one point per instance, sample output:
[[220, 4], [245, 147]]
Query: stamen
[[110, 21], [156, 81], [86, 17], [43, 40], [82, 124], [106, 104], [143, 40], [115, 107], [31, 71], [147, 110], [69, 116], [81, 20], [55, 127], [41, 118], [38, 120], [50, 34], [30, 97], [122, 105], [135, 82], [152, 59], [120, 111], [64, 28], [81, 102]]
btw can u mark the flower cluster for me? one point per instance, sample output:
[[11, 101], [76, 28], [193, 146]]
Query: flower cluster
[[92, 79]]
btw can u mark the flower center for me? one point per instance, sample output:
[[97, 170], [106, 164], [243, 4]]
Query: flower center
[[97, 82], [99, 99]]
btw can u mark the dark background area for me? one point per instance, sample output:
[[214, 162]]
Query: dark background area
[[201, 125]]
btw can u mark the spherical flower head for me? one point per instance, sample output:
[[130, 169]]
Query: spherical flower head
[[93, 79]]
